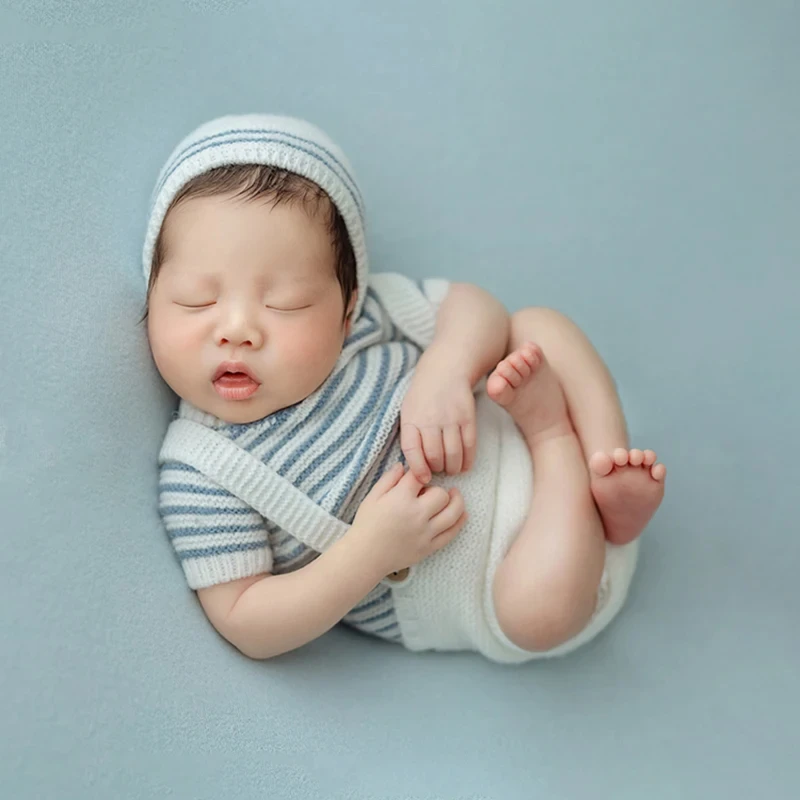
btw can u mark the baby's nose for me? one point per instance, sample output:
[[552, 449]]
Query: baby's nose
[[239, 330]]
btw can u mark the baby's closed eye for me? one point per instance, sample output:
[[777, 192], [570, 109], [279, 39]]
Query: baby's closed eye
[[281, 309], [196, 305], [288, 308]]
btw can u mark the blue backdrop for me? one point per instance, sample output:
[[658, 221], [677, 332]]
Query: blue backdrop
[[634, 165]]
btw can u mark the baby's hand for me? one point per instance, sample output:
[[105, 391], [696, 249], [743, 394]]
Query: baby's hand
[[402, 522], [437, 420]]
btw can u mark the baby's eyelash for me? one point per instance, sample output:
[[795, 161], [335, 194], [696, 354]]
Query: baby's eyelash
[[208, 305]]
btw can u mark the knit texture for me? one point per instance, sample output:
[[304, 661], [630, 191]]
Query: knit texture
[[440, 605], [238, 500], [445, 602], [332, 447], [271, 140]]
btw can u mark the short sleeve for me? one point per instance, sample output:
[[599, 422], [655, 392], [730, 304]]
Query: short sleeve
[[435, 290], [412, 305], [216, 536]]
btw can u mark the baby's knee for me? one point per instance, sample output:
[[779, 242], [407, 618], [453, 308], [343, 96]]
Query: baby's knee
[[547, 619], [534, 319], [542, 630]]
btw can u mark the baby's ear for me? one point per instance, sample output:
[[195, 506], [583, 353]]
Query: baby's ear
[[350, 308]]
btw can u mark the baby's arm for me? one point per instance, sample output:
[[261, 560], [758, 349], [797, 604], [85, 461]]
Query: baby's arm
[[219, 540], [267, 615]]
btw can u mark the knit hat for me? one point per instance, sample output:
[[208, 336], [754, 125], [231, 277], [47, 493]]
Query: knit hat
[[285, 142]]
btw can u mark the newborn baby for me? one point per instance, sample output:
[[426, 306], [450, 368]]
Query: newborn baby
[[362, 448]]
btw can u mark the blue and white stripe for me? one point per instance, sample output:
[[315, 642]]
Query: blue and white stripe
[[270, 140], [265, 135], [333, 446]]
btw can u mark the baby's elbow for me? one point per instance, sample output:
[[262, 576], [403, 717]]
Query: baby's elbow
[[251, 652], [246, 645], [253, 647], [252, 641], [227, 609]]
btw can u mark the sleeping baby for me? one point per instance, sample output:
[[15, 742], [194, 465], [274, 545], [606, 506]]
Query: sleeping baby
[[361, 448]]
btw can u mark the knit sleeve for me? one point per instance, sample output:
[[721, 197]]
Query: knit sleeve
[[217, 537], [411, 304], [435, 290]]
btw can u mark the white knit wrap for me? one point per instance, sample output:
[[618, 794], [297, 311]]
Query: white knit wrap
[[286, 142]]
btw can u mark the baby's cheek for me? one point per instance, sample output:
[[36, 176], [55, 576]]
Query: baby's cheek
[[171, 343], [312, 349], [185, 338], [178, 333]]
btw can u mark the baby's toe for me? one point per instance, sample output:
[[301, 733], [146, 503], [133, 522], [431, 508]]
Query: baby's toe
[[649, 458], [636, 458], [532, 354], [498, 388], [659, 472], [507, 369], [601, 464], [621, 457], [519, 364]]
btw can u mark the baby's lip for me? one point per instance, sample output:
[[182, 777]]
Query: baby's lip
[[234, 366]]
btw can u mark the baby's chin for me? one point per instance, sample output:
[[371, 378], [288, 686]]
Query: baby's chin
[[240, 418], [240, 412]]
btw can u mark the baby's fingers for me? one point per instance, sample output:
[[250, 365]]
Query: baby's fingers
[[449, 515], [447, 536], [389, 479], [469, 435], [453, 449], [432, 445], [411, 445]]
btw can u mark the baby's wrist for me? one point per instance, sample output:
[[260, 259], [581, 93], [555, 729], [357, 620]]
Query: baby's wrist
[[364, 556], [447, 362]]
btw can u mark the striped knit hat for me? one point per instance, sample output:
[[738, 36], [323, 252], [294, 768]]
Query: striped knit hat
[[285, 142]]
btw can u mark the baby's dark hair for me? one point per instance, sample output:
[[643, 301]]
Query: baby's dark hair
[[258, 182]]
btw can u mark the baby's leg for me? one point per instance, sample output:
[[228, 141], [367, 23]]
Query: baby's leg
[[545, 589], [627, 485], [591, 395]]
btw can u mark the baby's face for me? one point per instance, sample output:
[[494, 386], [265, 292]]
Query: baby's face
[[244, 282]]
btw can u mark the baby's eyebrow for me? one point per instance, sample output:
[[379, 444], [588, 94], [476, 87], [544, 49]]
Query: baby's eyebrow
[[204, 279], [199, 279]]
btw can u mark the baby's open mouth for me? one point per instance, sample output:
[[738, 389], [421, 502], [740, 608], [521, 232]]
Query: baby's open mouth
[[233, 384], [234, 379]]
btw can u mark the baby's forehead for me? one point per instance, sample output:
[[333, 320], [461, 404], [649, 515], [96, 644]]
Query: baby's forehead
[[182, 215], [209, 231]]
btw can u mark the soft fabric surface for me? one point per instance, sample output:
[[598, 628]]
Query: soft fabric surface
[[632, 164]]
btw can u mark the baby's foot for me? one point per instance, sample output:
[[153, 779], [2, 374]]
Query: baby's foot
[[628, 489], [525, 385]]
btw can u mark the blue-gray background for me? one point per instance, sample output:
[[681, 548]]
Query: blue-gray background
[[632, 164]]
